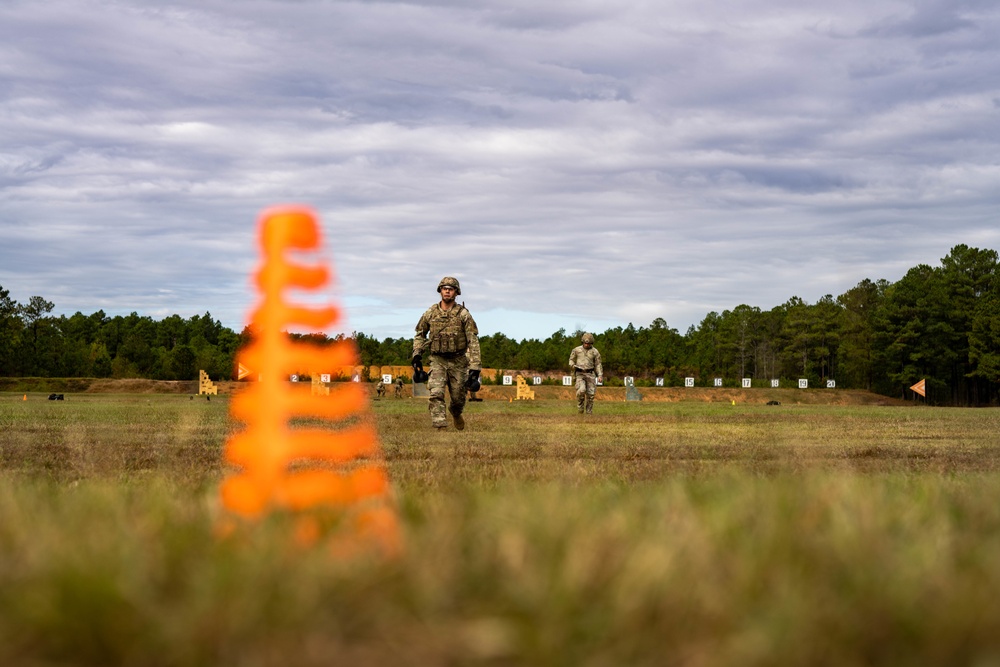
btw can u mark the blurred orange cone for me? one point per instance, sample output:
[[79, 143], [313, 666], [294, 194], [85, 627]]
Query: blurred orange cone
[[327, 477]]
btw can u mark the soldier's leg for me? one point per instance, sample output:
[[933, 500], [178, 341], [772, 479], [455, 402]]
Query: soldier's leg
[[591, 390], [581, 391], [457, 375], [435, 387]]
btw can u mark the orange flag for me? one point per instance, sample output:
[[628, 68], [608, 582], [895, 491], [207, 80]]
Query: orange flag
[[920, 388]]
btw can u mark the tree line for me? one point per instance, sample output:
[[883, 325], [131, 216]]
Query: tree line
[[34, 343], [939, 323]]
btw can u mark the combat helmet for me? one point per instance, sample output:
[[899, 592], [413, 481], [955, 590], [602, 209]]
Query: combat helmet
[[448, 281], [587, 338]]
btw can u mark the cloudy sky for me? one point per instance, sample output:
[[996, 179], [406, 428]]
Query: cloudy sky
[[576, 164]]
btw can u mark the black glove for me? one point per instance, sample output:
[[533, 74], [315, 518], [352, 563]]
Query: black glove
[[419, 376], [473, 383]]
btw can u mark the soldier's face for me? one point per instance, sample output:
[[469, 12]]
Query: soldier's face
[[587, 345], [447, 294]]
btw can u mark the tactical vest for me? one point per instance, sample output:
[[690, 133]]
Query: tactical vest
[[447, 332]]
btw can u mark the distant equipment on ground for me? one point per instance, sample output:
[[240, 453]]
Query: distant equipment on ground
[[205, 385], [524, 392], [319, 387]]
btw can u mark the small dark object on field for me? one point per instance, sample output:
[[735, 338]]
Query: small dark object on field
[[56, 397], [774, 402], [208, 397]]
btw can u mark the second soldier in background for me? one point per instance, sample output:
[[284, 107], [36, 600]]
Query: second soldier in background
[[448, 330], [586, 363]]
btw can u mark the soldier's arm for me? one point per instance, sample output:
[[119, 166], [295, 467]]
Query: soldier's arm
[[420, 335], [472, 338], [572, 358], [597, 364]]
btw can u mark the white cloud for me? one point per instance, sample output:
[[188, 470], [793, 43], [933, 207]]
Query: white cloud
[[577, 165]]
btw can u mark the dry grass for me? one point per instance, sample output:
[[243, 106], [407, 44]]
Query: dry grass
[[625, 442], [648, 534]]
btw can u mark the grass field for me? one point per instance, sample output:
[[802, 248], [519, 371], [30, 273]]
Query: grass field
[[648, 534]]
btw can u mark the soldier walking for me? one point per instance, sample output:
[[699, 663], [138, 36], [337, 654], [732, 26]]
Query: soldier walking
[[399, 387], [447, 328], [586, 363]]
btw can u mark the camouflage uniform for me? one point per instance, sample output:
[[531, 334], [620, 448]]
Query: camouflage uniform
[[453, 339], [399, 388], [587, 368]]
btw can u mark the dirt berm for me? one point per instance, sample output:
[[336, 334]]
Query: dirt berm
[[790, 396], [707, 395]]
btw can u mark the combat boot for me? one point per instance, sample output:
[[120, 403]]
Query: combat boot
[[459, 422]]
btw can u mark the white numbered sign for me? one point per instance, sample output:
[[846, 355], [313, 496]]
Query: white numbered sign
[[507, 379], [746, 383], [803, 384], [718, 382], [567, 380], [688, 382], [831, 384], [659, 382], [775, 383], [386, 379]]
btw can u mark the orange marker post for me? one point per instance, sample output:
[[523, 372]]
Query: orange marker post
[[311, 471]]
